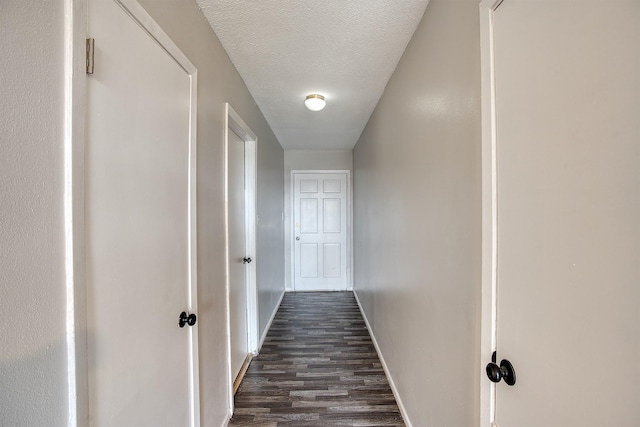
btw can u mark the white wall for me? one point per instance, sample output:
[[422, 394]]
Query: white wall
[[33, 382], [306, 160], [33, 362], [417, 219]]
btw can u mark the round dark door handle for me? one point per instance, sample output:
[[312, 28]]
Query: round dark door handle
[[503, 372], [246, 260], [186, 320], [191, 320]]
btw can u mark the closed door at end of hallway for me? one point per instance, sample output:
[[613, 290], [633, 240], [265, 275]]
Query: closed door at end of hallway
[[320, 231]]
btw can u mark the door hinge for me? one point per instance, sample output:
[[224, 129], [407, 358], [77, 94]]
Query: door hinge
[[90, 51]]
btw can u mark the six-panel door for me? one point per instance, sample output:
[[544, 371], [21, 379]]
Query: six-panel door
[[320, 231]]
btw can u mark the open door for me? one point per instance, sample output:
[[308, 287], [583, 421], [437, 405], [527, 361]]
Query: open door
[[562, 212]]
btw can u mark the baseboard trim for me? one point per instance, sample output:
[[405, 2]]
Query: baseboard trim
[[394, 390], [266, 329], [225, 423]]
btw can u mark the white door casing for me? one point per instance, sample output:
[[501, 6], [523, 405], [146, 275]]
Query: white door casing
[[320, 230], [140, 222], [241, 221], [561, 201]]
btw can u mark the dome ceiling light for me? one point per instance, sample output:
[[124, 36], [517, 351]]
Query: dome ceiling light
[[315, 102]]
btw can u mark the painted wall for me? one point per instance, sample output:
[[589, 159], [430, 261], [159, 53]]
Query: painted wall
[[219, 82], [306, 160], [417, 217], [33, 379]]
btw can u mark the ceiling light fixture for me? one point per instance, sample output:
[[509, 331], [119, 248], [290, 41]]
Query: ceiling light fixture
[[315, 102]]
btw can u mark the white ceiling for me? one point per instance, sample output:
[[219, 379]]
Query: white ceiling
[[345, 50]]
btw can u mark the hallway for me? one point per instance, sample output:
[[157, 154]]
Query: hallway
[[318, 366]]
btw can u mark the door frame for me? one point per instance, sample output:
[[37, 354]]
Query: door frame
[[233, 121], [75, 93], [75, 113], [488, 317], [292, 226]]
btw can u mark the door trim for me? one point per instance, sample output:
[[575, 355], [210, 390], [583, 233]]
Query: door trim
[[292, 253], [488, 320], [233, 121], [75, 92]]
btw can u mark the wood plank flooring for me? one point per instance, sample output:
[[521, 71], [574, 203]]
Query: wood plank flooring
[[317, 367]]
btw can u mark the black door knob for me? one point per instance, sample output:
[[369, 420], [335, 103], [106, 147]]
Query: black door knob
[[191, 320], [186, 320], [503, 372], [246, 260]]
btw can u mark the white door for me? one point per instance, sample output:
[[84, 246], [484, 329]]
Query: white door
[[238, 257], [567, 79], [142, 365], [320, 231]]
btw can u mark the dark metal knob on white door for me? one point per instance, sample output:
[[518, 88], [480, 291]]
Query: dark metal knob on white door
[[183, 319], [246, 260], [504, 372], [298, 238]]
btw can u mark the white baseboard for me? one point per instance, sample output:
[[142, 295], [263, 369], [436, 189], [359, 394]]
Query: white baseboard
[[403, 411], [266, 330]]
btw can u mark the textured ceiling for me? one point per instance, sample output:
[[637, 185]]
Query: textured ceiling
[[345, 50]]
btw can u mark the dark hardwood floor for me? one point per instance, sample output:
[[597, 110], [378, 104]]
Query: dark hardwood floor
[[317, 367]]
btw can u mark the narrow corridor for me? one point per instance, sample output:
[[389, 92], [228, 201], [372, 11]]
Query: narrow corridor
[[317, 367]]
